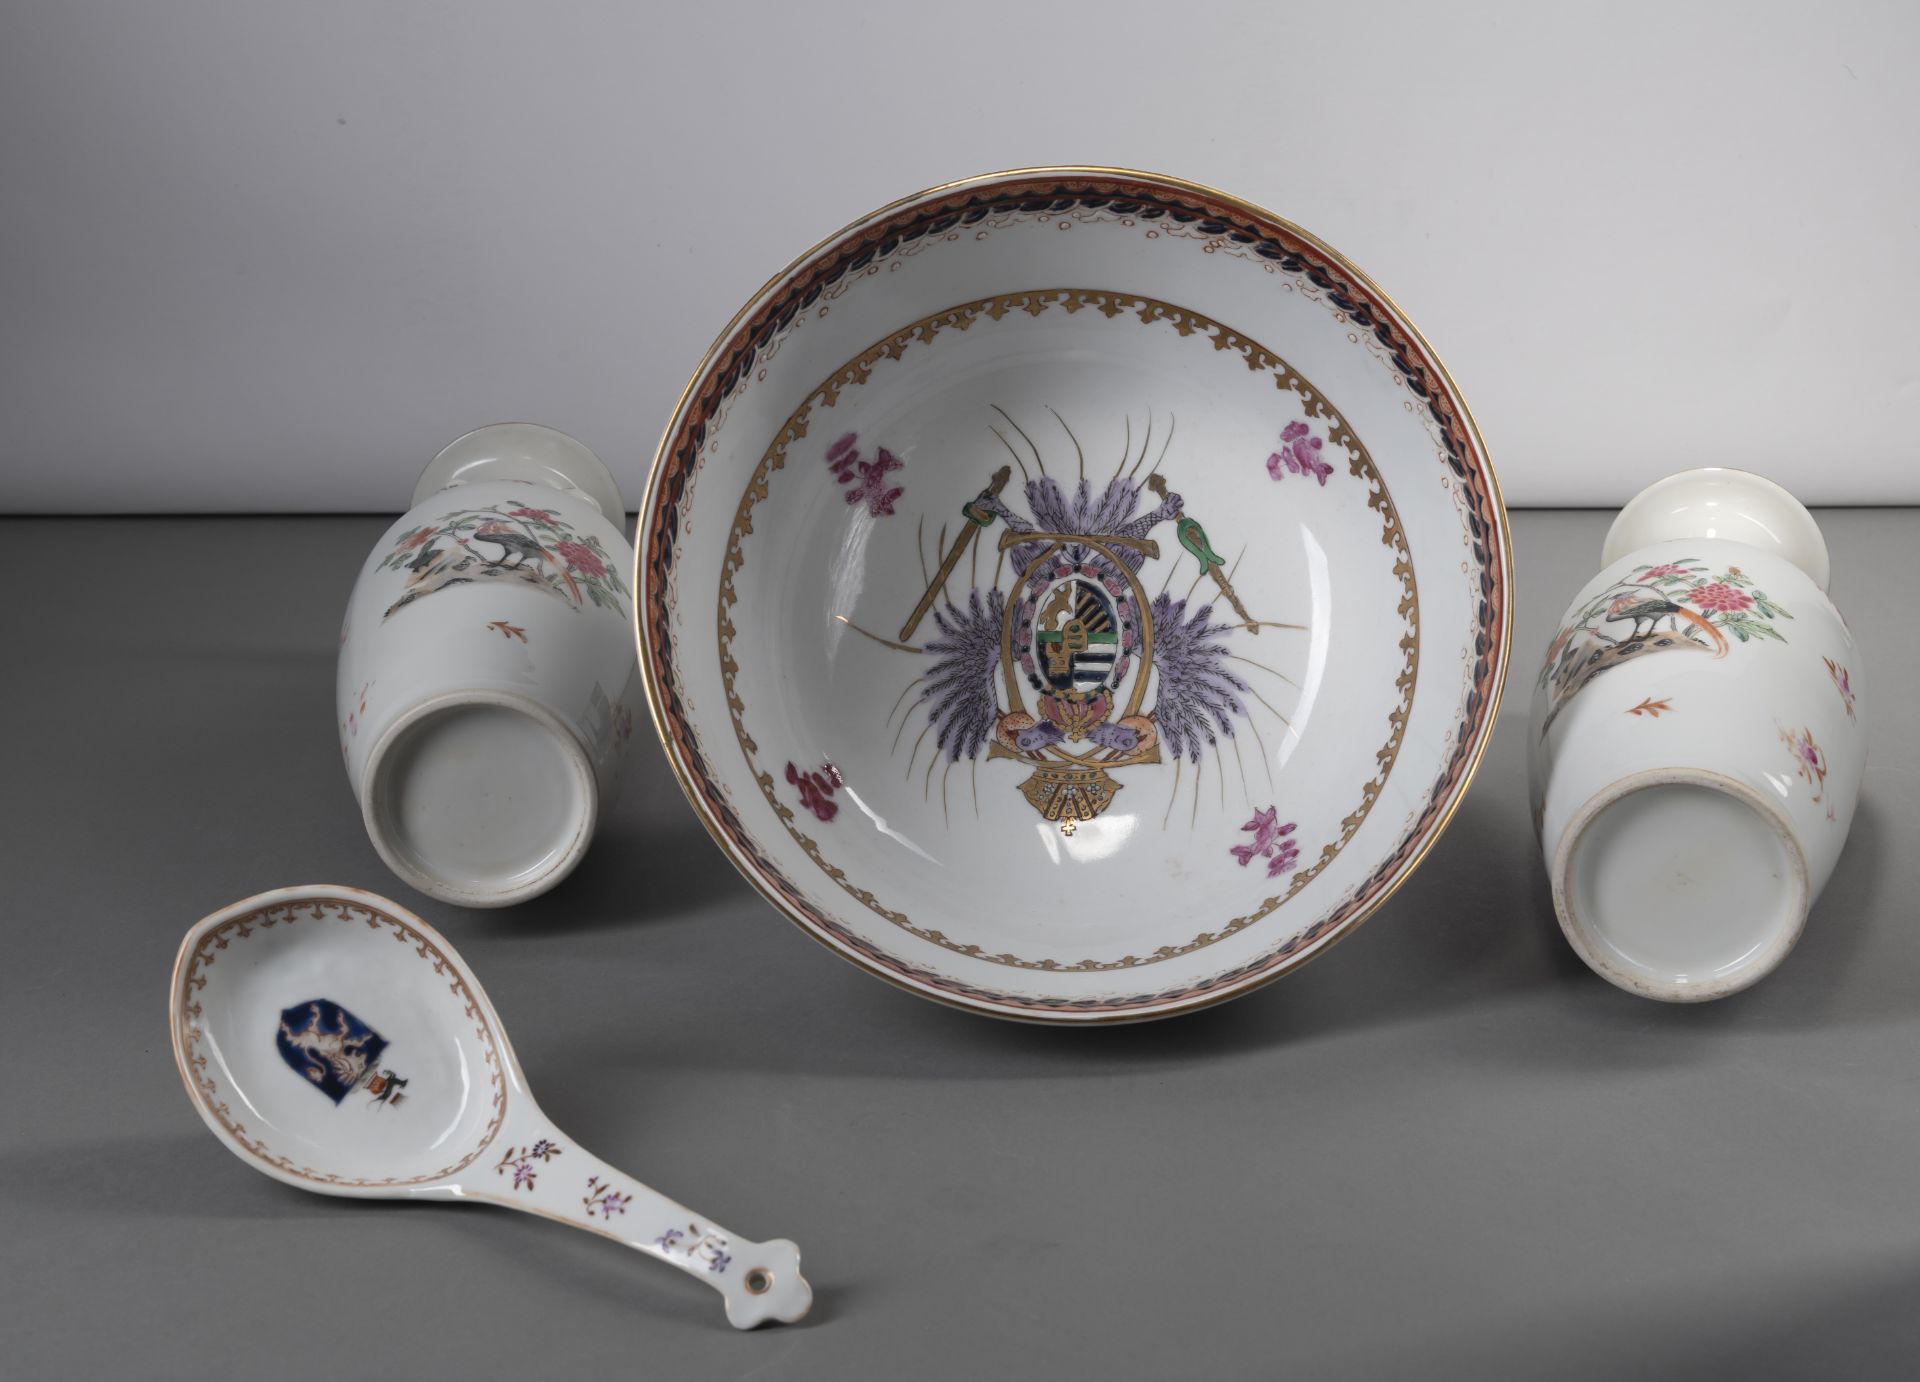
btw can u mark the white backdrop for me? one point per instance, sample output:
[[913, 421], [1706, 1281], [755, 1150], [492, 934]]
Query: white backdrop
[[270, 256]]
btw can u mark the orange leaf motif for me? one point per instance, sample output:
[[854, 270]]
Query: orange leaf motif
[[506, 630], [1650, 707]]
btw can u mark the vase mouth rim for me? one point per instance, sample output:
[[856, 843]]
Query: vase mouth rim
[[1721, 503], [524, 451]]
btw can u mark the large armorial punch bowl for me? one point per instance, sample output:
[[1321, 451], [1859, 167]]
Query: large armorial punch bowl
[[1073, 594]]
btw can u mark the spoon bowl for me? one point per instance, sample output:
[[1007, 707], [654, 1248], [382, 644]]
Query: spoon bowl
[[336, 1042]]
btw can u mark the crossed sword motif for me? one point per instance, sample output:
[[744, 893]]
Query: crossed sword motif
[[978, 514]]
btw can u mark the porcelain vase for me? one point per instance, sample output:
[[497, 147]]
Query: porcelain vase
[[486, 684], [1697, 739]]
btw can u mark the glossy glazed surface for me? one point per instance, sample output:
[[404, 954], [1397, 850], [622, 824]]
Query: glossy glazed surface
[[486, 684], [1073, 597], [335, 1041], [480, 793], [1720, 668], [1681, 884], [289, 1008], [1721, 503], [527, 452]]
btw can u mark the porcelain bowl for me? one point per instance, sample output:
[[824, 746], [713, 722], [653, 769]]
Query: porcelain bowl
[[1073, 594]]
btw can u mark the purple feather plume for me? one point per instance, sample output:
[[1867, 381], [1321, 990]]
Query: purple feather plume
[[1197, 694], [1110, 514], [959, 694]]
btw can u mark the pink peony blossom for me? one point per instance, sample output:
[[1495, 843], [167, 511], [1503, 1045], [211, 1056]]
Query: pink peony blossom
[[581, 558], [1718, 597]]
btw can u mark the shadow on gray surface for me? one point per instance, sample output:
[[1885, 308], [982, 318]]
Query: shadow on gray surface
[[202, 1181], [1585, 1026], [590, 1268], [1444, 1146], [626, 879], [1471, 931], [1832, 1323], [1785, 1318], [1831, 967], [1473, 924], [1825, 982], [583, 1266]]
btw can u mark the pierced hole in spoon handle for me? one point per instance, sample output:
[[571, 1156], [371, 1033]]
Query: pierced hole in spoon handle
[[759, 1281]]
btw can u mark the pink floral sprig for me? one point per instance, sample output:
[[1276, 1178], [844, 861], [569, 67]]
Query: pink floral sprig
[[842, 456], [602, 1199], [1271, 841], [1811, 762], [865, 481], [816, 789], [1843, 684], [522, 1162], [1299, 454]]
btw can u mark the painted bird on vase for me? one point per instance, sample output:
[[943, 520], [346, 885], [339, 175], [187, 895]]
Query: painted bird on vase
[[1651, 607], [511, 542]]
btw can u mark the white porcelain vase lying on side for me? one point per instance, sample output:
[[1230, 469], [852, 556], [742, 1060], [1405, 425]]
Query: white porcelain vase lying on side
[[487, 679], [1697, 740]]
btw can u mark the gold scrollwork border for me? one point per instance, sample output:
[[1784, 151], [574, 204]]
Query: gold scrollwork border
[[1149, 311]]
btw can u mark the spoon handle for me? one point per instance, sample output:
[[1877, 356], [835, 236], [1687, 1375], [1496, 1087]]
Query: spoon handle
[[543, 1173]]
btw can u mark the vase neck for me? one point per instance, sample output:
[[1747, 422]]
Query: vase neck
[[528, 452], [1720, 503]]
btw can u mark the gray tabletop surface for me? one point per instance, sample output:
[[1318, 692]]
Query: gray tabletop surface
[[1442, 1149]]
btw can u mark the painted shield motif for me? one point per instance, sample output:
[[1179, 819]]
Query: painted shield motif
[[332, 1049], [1076, 638]]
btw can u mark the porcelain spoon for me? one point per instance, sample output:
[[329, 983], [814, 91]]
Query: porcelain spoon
[[335, 1041]]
